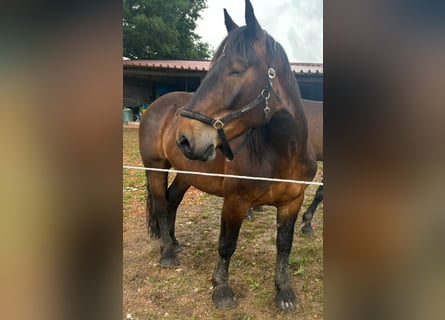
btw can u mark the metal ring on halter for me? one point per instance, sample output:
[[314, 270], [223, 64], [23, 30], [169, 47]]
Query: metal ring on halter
[[265, 94], [271, 73], [218, 124]]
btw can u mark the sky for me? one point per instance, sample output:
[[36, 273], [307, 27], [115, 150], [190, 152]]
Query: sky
[[296, 24]]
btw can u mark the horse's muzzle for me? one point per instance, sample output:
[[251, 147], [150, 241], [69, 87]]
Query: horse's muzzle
[[190, 151]]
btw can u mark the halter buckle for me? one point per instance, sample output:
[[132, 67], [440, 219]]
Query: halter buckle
[[271, 73], [218, 124]]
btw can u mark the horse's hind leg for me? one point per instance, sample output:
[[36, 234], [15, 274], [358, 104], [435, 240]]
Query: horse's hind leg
[[175, 194], [309, 214]]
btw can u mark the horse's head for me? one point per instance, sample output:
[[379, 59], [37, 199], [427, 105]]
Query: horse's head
[[239, 92]]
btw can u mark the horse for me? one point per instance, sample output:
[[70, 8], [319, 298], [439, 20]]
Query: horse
[[249, 99], [314, 115]]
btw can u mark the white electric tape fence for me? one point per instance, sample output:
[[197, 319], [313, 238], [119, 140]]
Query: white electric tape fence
[[224, 175]]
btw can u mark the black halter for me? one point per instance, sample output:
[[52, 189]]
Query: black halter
[[219, 123]]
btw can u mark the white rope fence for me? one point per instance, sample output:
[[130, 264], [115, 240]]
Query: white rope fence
[[221, 175]]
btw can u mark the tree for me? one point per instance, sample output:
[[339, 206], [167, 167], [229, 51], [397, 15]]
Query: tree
[[163, 29]]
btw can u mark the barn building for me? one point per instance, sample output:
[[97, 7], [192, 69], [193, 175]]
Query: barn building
[[146, 80]]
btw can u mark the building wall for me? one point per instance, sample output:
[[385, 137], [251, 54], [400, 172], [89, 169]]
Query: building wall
[[144, 88], [136, 91], [311, 86]]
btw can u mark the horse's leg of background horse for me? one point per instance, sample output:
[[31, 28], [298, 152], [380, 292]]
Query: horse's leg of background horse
[[285, 298], [159, 211], [175, 194], [232, 216], [309, 214], [249, 215]]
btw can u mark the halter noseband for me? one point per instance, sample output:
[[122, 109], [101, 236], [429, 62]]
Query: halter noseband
[[219, 123]]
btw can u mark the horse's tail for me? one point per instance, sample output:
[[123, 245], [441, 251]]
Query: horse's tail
[[153, 227]]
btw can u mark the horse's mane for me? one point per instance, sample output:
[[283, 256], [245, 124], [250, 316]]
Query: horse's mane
[[239, 44]]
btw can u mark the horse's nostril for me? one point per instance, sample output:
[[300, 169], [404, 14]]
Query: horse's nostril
[[184, 144]]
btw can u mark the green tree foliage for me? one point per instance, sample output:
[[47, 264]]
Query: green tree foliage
[[163, 29]]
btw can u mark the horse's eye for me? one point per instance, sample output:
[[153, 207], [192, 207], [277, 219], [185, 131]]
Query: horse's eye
[[237, 68], [236, 72]]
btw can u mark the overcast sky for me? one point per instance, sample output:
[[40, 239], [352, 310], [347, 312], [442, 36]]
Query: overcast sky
[[296, 24]]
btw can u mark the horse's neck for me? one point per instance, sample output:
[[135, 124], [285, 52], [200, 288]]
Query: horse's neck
[[275, 136], [282, 127], [287, 129]]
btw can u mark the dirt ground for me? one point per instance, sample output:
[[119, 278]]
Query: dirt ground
[[184, 292]]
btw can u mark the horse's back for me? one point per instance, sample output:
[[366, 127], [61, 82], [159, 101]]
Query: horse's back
[[314, 114], [156, 123]]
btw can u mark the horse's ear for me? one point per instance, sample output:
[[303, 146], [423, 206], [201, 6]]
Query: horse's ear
[[230, 24], [253, 27]]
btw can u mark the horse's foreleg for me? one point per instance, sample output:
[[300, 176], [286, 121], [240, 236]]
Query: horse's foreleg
[[175, 194], [285, 298], [309, 214], [232, 217]]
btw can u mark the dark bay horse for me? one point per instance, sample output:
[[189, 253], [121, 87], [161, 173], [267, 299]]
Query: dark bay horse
[[314, 115], [249, 100]]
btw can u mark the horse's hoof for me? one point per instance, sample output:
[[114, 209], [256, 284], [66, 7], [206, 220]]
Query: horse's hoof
[[169, 262], [169, 258], [285, 300], [223, 297], [306, 229]]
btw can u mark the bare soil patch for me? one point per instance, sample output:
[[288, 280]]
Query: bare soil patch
[[152, 292]]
